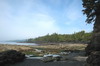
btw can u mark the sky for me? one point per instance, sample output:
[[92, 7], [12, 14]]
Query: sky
[[23, 19]]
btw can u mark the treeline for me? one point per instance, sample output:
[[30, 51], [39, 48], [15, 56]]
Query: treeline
[[78, 37]]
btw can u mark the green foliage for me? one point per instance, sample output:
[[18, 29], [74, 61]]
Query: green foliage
[[30, 40], [79, 37], [92, 9]]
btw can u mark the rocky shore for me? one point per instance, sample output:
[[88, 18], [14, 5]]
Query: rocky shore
[[73, 59], [69, 54], [11, 57]]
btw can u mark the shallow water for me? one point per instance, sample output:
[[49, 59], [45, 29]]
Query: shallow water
[[16, 43]]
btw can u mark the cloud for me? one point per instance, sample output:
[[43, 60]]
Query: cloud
[[74, 11], [23, 24], [55, 2], [38, 26], [74, 15], [21, 19]]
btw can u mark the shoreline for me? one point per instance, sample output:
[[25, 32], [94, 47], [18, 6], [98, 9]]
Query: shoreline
[[40, 50], [73, 59], [45, 46]]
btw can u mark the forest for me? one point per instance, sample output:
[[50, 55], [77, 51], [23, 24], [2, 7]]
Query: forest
[[77, 37]]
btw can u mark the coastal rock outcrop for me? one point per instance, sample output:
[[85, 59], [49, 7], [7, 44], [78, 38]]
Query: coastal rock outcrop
[[93, 51], [92, 47], [11, 56], [93, 59]]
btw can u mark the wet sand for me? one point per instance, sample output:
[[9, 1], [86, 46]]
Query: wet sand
[[36, 62]]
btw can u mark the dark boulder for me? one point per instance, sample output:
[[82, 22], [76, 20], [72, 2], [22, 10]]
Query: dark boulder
[[11, 56]]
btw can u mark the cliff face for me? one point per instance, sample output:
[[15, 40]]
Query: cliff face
[[93, 49], [94, 59]]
